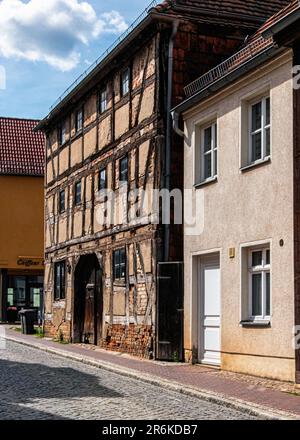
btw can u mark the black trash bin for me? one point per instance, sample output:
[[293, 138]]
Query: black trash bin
[[27, 321]]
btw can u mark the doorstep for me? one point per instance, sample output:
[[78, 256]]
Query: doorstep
[[243, 392]]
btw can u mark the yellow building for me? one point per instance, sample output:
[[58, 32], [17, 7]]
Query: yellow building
[[21, 219]]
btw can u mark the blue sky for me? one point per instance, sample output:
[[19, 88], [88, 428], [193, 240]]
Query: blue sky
[[46, 45]]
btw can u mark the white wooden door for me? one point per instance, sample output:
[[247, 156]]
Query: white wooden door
[[210, 310]]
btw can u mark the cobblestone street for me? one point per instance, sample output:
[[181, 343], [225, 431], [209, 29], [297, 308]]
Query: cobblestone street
[[37, 385]]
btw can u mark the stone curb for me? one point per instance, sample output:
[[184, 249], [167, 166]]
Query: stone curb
[[252, 409]]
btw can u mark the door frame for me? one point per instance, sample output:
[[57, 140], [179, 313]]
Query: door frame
[[78, 309], [205, 260]]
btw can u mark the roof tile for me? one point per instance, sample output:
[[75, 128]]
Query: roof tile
[[256, 8], [22, 151]]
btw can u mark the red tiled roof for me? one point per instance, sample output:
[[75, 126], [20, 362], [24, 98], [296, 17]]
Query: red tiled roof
[[292, 6], [254, 8], [248, 13], [22, 151]]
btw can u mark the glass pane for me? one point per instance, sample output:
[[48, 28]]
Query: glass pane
[[117, 257], [20, 286], [122, 271], [268, 119], [124, 164], [57, 279], [268, 256], [62, 201], [103, 101], [125, 82], [256, 147], [63, 134], [207, 166], [78, 193], [35, 295], [256, 116], [207, 139], [124, 170], [268, 141], [268, 295], [102, 179], [216, 162], [216, 136], [257, 258], [79, 120], [63, 281], [122, 256], [256, 295], [10, 297]]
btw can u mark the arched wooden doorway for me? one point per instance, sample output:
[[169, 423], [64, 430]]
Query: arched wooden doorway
[[88, 301]]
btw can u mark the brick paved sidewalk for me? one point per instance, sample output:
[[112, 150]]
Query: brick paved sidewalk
[[260, 392]]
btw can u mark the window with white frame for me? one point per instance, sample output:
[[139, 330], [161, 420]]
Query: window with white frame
[[208, 153], [259, 130], [259, 283]]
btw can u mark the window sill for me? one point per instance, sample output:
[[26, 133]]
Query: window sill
[[206, 182], [258, 324], [256, 164]]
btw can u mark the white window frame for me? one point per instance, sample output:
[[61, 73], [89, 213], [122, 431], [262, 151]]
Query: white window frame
[[213, 152], [262, 269], [262, 130]]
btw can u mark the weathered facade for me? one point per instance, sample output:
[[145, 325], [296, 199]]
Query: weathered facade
[[242, 274], [114, 127]]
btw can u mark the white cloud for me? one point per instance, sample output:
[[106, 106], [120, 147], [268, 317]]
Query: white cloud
[[52, 30]]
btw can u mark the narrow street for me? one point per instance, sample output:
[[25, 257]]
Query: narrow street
[[42, 386]]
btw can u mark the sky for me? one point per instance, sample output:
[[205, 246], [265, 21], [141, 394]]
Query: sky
[[46, 44]]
